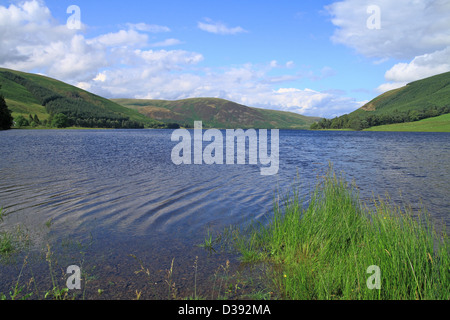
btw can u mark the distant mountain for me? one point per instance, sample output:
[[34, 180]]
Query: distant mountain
[[217, 113], [422, 99], [31, 94]]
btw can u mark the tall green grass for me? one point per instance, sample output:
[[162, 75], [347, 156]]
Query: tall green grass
[[324, 251]]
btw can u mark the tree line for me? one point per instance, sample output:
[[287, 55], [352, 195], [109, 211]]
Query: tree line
[[361, 122]]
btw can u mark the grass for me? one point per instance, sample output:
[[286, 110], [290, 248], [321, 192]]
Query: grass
[[12, 241], [325, 251], [435, 124]]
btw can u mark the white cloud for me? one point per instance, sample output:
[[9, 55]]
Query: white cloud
[[247, 84], [153, 28], [32, 40], [100, 77], [420, 67], [390, 86], [122, 64], [121, 38], [416, 32], [84, 85], [219, 28], [167, 43], [408, 27], [26, 29]]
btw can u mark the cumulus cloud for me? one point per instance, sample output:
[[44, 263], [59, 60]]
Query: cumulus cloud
[[415, 32], [152, 28], [121, 38], [408, 28], [167, 43], [125, 63], [26, 29], [32, 40], [219, 28], [420, 67], [247, 84]]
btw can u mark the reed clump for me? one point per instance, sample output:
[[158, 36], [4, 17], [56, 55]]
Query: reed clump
[[325, 250]]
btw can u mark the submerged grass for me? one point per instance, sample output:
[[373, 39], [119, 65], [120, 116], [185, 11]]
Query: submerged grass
[[325, 251]]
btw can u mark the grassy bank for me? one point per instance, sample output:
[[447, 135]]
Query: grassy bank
[[435, 124], [325, 251]]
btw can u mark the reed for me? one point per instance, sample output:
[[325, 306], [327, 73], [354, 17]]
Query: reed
[[324, 251]]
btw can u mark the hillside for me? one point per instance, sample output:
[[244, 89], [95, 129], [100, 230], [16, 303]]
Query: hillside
[[422, 99], [217, 113], [433, 92], [31, 94], [435, 124]]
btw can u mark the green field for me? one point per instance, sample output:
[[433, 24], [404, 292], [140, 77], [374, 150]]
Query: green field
[[435, 124]]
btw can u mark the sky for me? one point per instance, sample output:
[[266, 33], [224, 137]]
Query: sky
[[313, 57]]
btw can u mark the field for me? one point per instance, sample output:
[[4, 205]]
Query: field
[[436, 124]]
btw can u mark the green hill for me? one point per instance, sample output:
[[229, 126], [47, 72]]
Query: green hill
[[421, 95], [31, 94], [422, 99], [217, 113]]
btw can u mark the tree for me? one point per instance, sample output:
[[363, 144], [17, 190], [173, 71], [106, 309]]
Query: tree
[[355, 124], [6, 120], [21, 121], [60, 121], [36, 119], [173, 126]]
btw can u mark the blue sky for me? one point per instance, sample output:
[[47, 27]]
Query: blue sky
[[318, 58]]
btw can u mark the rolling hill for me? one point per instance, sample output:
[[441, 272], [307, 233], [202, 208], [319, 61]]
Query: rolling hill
[[422, 99], [217, 113], [31, 94]]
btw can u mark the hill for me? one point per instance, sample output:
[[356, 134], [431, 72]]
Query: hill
[[432, 92], [422, 99], [31, 94], [217, 113]]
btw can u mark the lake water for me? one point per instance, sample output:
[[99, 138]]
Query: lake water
[[98, 196]]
